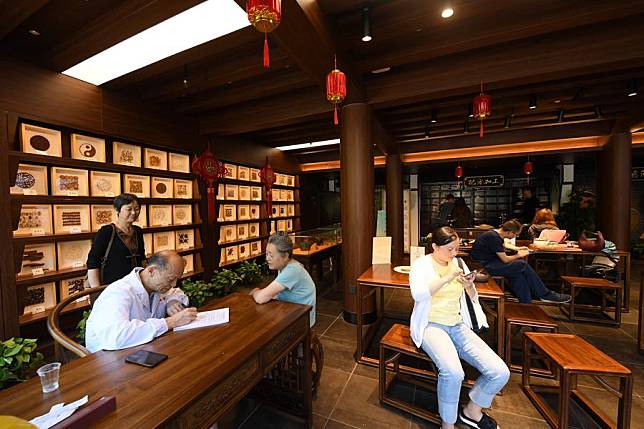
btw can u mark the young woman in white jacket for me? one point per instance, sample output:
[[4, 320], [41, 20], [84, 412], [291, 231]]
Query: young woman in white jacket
[[441, 325]]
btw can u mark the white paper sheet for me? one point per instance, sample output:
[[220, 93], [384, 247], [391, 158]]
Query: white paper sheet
[[58, 413], [381, 250], [207, 318]]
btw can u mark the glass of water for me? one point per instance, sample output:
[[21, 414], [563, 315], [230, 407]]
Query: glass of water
[[49, 376]]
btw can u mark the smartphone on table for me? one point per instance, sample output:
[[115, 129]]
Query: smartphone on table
[[146, 358], [471, 275]]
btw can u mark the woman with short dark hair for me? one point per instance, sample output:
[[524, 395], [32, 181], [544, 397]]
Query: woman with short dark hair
[[118, 247]]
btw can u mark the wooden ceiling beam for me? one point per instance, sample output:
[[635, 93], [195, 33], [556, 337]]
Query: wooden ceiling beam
[[14, 13]]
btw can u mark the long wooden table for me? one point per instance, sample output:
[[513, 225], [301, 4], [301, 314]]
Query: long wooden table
[[382, 276], [208, 371]]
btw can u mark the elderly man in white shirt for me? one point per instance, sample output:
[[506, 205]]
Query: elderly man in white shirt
[[140, 307]]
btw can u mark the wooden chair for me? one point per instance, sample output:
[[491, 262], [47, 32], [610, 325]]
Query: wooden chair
[[61, 340]]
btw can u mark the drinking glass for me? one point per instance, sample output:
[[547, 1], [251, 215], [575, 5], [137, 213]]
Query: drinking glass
[[49, 376]]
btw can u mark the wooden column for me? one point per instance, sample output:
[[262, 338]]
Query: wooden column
[[614, 204], [395, 206], [357, 204]]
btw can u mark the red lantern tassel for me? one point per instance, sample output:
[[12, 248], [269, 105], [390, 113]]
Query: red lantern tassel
[[269, 202], [335, 114], [211, 204], [267, 58], [481, 130]]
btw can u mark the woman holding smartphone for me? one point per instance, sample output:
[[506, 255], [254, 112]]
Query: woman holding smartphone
[[441, 324]]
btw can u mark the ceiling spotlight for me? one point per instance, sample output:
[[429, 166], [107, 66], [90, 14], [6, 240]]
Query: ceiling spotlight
[[466, 126], [381, 70], [366, 24], [470, 112], [533, 101], [447, 12], [560, 116], [185, 75], [434, 118], [598, 112], [507, 123], [34, 32], [428, 131], [632, 87]]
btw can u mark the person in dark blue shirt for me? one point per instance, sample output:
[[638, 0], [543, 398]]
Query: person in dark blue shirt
[[488, 250]]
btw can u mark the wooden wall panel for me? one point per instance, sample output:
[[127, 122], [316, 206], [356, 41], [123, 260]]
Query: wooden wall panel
[[247, 152]]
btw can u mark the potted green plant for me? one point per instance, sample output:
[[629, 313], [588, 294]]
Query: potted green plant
[[17, 357], [197, 291], [224, 282], [249, 272], [81, 326]]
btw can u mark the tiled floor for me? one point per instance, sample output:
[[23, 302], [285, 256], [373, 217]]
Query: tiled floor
[[348, 394]]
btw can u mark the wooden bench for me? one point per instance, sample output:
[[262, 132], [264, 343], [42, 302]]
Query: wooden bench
[[572, 356], [525, 316], [605, 288]]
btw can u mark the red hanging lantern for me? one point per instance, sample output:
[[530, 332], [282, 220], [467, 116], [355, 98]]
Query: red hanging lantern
[[336, 89], [267, 174], [265, 16], [482, 108], [459, 173], [528, 168], [210, 170]]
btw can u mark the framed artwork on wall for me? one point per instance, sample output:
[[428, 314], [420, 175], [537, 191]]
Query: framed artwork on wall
[[126, 154], [148, 242], [31, 180], [254, 212], [232, 192], [162, 187], [88, 148], [231, 171], [190, 264], [104, 184], [102, 215], [185, 239], [243, 173], [253, 230], [39, 298], [40, 140], [70, 287], [160, 215], [254, 175], [179, 162], [230, 212], [182, 188], [244, 193], [181, 214], [142, 221], [34, 220], [73, 254], [244, 251], [156, 159], [163, 241], [38, 259], [71, 219], [242, 232], [256, 193], [243, 212], [69, 182]]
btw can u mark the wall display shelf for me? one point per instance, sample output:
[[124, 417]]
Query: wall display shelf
[[254, 175], [63, 183], [231, 171], [243, 173], [70, 287]]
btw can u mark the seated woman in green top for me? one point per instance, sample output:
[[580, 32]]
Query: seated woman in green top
[[293, 283]]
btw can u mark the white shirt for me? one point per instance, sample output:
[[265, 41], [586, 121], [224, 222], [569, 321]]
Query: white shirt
[[125, 315], [422, 273]]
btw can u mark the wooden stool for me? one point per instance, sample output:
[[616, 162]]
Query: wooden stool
[[525, 315], [605, 287], [573, 356]]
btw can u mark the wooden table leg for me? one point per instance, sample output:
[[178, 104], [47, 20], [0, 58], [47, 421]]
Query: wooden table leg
[[359, 349], [525, 375], [307, 376], [625, 403], [564, 399], [500, 325]]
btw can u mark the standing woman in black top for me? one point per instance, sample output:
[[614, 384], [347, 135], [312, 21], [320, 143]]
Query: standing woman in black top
[[127, 250]]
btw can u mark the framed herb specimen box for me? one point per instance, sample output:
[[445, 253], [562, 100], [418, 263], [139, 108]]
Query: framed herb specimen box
[[73, 254], [190, 264], [282, 210], [40, 140], [142, 221], [254, 175], [244, 193], [39, 298], [69, 182], [185, 239], [105, 184], [256, 193], [244, 251], [126, 154], [253, 230], [283, 195], [254, 212], [272, 227], [220, 213], [231, 171], [222, 257], [102, 215], [276, 194], [30, 180], [255, 248], [179, 162], [182, 188], [148, 243], [88, 148], [290, 180], [221, 192], [156, 159], [38, 259], [34, 220], [242, 232], [70, 287], [243, 212], [291, 209], [281, 179], [290, 196], [230, 212], [72, 219], [232, 192], [289, 225], [181, 214], [243, 173], [161, 187], [163, 241], [137, 185], [281, 225], [227, 234], [160, 215], [231, 253]]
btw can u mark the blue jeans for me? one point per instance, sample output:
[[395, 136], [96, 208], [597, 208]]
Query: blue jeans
[[445, 345], [525, 282]]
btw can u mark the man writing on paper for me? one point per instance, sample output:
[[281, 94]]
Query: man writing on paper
[[141, 306]]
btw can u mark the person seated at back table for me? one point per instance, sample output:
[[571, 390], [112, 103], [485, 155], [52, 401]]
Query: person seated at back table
[[488, 250], [293, 283], [543, 219], [461, 214], [141, 306]]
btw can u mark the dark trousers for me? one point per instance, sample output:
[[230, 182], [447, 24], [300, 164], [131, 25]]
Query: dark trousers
[[524, 280]]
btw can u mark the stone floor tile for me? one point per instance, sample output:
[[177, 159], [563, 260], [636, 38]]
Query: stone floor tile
[[331, 385], [342, 330], [338, 354], [322, 322], [328, 307]]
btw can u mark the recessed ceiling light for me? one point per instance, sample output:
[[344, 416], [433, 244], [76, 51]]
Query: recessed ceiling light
[[307, 145], [366, 24], [557, 101], [447, 12], [34, 32], [199, 24], [632, 87], [382, 70], [532, 103]]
